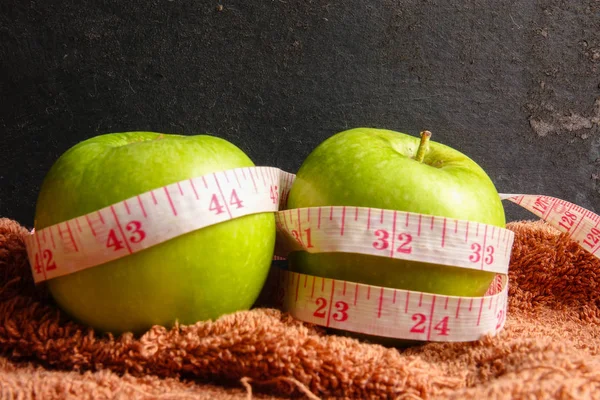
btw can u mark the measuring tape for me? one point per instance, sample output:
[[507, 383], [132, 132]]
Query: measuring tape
[[164, 213], [580, 224], [154, 217], [391, 312]]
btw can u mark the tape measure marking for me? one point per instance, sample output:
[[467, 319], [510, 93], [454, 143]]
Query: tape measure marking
[[153, 217], [395, 234], [388, 312], [580, 224]]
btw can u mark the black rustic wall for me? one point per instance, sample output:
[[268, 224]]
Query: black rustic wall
[[514, 84]]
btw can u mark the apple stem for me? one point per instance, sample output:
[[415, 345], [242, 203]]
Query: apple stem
[[423, 146]]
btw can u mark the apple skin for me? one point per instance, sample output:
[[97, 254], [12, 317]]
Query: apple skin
[[197, 276], [369, 167]]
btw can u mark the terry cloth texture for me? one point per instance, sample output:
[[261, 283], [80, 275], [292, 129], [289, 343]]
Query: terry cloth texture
[[548, 349]]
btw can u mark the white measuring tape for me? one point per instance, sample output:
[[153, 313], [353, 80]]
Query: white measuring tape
[[580, 224], [153, 217], [391, 312]]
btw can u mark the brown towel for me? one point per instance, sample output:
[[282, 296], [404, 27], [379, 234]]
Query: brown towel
[[549, 348]]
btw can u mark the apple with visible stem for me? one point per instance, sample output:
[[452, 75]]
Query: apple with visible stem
[[197, 276], [379, 168]]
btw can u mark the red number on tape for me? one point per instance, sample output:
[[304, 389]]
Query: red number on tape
[[320, 312], [541, 204], [592, 238], [477, 254], [308, 243], [215, 205], [38, 263], [421, 319], [419, 327], [138, 234], [489, 258], [113, 241], [135, 227], [442, 326], [234, 200], [382, 239], [567, 220], [405, 240], [45, 262], [218, 208], [296, 236], [341, 315], [274, 194], [383, 242], [500, 317]]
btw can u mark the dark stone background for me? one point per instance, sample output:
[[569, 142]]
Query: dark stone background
[[513, 84]]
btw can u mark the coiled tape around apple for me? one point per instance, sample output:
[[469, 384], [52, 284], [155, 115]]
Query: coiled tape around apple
[[156, 216]]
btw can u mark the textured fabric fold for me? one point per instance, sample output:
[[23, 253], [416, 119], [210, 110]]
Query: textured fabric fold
[[548, 349]]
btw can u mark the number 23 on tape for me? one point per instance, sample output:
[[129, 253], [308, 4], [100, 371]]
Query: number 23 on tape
[[388, 312]]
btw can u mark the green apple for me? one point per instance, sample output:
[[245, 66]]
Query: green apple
[[197, 276], [381, 169]]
